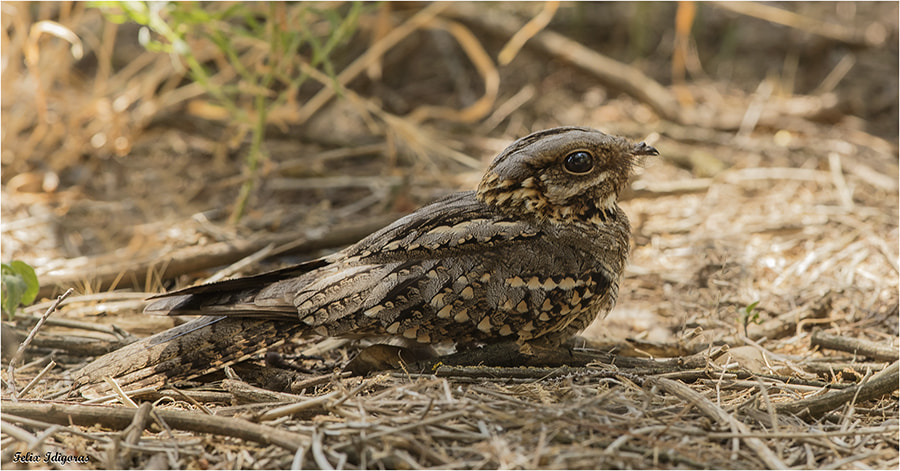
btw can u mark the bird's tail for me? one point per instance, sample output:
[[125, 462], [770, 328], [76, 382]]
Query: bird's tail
[[237, 331], [193, 349]]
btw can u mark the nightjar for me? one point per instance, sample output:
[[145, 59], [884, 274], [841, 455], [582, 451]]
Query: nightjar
[[533, 255]]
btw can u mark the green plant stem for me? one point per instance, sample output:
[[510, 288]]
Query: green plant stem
[[256, 152]]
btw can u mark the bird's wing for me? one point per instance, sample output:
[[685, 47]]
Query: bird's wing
[[230, 297], [359, 276], [405, 263]]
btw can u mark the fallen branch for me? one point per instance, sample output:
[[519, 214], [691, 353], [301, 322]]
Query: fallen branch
[[855, 346], [882, 383], [507, 358], [117, 418]]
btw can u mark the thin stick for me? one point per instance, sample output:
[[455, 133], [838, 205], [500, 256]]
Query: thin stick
[[486, 69], [240, 264], [806, 24], [534, 26], [317, 451], [46, 425], [131, 435], [190, 399], [106, 329], [16, 432], [297, 407], [119, 392], [40, 360], [840, 183], [882, 430], [616, 74], [11, 371], [38, 377], [86, 298], [107, 397], [297, 463]]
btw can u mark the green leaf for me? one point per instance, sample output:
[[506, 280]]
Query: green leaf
[[751, 307], [20, 286], [27, 273], [13, 288]]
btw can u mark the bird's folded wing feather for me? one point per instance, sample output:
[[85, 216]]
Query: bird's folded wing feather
[[359, 276]]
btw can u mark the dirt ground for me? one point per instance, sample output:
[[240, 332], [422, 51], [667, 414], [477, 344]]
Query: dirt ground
[[757, 323]]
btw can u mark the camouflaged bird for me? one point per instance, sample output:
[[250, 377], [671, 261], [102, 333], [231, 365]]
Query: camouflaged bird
[[534, 255]]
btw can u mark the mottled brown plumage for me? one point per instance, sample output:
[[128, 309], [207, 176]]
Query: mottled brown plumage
[[534, 255]]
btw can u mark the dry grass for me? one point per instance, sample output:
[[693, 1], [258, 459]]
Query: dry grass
[[763, 195]]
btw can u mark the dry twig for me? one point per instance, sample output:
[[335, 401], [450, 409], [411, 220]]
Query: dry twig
[[11, 370], [118, 418], [855, 346], [833, 31], [878, 385]]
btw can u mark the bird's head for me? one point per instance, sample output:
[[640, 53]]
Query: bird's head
[[561, 175]]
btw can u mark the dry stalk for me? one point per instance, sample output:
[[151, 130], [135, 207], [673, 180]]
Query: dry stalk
[[803, 23], [486, 69], [11, 370], [534, 26], [38, 377]]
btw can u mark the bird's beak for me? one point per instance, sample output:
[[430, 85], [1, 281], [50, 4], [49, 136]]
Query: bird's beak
[[644, 149]]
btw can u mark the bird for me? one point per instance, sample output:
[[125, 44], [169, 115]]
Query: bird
[[532, 256]]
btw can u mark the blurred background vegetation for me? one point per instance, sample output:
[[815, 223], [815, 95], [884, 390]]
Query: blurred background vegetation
[[119, 115]]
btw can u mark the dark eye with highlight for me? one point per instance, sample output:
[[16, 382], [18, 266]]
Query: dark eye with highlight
[[579, 162]]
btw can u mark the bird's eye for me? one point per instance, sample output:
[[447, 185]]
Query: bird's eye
[[579, 162]]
